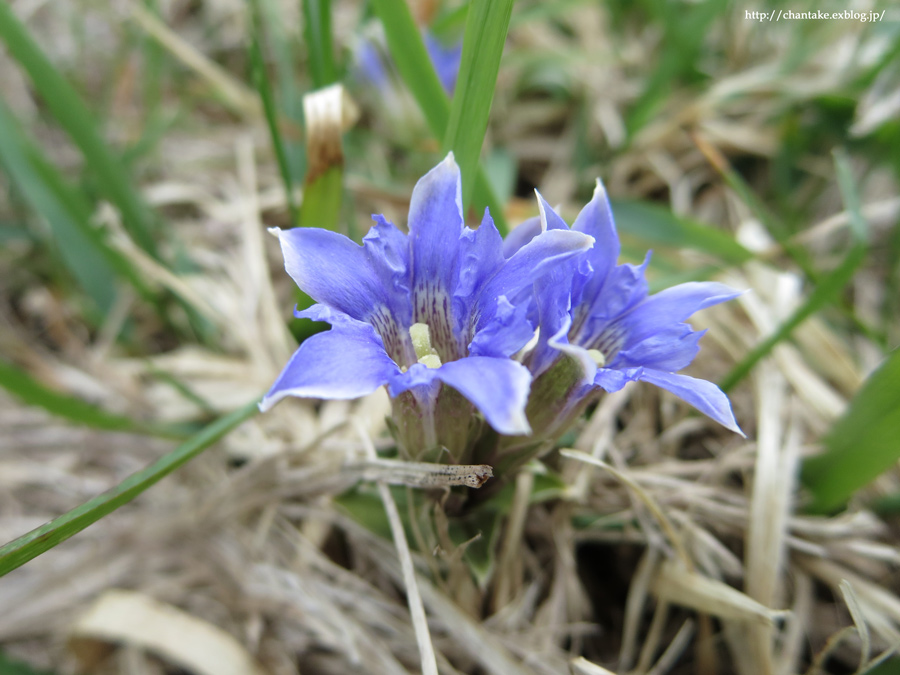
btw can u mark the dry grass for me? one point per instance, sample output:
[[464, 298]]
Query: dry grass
[[676, 547]]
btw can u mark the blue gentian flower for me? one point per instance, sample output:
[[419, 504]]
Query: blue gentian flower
[[373, 65], [599, 315], [433, 314], [445, 59], [370, 66]]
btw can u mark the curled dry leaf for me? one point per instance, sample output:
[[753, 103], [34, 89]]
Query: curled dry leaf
[[136, 620]]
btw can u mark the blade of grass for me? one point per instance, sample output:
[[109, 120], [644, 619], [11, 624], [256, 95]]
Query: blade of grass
[[27, 547], [414, 65], [31, 392], [264, 87], [772, 224], [71, 113], [862, 444], [82, 247], [487, 23], [321, 205], [317, 31], [79, 251], [828, 288], [661, 226], [289, 94]]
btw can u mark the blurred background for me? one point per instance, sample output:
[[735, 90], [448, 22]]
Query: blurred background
[[145, 147]]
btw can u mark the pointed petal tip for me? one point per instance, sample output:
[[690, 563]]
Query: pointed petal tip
[[267, 402]]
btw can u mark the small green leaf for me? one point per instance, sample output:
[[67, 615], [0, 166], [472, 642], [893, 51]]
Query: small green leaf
[[863, 442], [27, 547], [487, 23]]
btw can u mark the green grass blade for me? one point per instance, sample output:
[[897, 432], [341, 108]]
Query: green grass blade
[[24, 387], [486, 26], [862, 444], [321, 206], [10, 667], [317, 31], [38, 541], [82, 247], [72, 114], [67, 215], [660, 226], [264, 87], [827, 290], [414, 65], [289, 94]]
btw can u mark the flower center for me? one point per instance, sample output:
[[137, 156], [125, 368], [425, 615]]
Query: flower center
[[427, 355]]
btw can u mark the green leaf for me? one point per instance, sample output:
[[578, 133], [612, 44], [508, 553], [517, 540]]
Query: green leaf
[[487, 23], [321, 205], [317, 31], [661, 226], [862, 443], [290, 95], [11, 667], [93, 263], [414, 65], [827, 290], [21, 385], [264, 87], [66, 214], [71, 112], [38, 541]]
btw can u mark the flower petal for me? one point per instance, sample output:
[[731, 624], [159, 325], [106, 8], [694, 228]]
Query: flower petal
[[671, 349], [346, 362], [533, 260], [503, 331], [388, 249], [624, 288], [497, 387], [596, 220], [480, 257], [435, 225], [704, 396], [673, 305], [521, 235], [333, 270]]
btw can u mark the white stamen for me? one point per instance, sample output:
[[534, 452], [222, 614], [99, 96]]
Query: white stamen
[[597, 356], [421, 339]]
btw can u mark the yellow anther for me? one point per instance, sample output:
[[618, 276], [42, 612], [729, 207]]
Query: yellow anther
[[430, 361], [420, 334], [597, 356]]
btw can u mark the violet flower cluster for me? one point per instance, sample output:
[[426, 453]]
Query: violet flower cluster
[[374, 66], [460, 325]]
